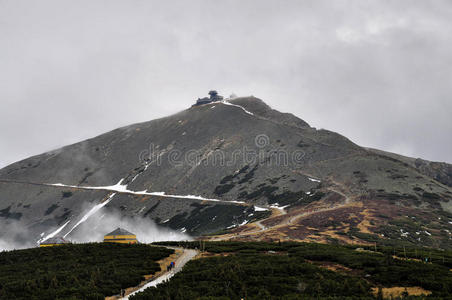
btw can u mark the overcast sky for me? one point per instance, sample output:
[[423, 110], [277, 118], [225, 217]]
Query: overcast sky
[[378, 72]]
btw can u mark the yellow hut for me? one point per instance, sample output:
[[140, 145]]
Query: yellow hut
[[54, 241], [121, 236]]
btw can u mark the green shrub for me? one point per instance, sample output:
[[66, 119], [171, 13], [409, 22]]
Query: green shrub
[[85, 271]]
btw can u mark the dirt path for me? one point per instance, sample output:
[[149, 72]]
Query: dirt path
[[320, 210], [259, 227], [185, 257]]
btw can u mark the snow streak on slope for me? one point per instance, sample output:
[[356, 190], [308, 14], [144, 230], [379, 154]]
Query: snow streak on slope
[[191, 197], [280, 208], [91, 212], [53, 234], [123, 188], [257, 208], [313, 180], [119, 188], [226, 102]]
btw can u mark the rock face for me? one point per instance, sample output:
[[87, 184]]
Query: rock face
[[225, 164]]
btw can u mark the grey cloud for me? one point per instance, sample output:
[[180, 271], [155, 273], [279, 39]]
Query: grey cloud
[[376, 71]]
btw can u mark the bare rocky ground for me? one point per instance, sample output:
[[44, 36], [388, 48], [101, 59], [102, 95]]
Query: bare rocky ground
[[248, 157]]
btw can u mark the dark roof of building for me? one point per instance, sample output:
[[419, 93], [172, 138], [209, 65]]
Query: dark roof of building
[[120, 231], [55, 240], [203, 100]]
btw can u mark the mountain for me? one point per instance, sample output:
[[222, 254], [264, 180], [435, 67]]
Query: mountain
[[239, 169]]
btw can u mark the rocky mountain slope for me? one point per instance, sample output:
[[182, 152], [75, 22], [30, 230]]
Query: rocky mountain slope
[[234, 165]]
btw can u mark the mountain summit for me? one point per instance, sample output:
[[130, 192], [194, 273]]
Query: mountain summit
[[236, 166]]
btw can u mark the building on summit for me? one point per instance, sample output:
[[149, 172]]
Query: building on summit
[[213, 97], [54, 241], [121, 236]]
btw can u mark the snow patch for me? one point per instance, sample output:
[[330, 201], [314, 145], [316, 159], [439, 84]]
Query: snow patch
[[120, 188], [53, 234], [241, 107], [243, 223], [313, 179], [281, 208], [91, 212], [135, 177], [238, 225], [156, 193], [257, 208], [192, 197], [404, 234]]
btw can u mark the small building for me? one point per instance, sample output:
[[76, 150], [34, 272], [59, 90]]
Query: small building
[[213, 97], [121, 236], [202, 101], [54, 241]]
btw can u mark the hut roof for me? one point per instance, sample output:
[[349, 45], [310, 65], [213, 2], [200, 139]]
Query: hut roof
[[120, 231], [55, 240]]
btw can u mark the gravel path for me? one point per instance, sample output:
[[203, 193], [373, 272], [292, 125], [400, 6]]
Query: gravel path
[[187, 255]]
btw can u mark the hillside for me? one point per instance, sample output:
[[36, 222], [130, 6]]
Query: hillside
[[225, 270], [89, 271], [235, 270], [234, 165]]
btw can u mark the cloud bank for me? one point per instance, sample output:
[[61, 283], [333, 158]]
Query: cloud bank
[[376, 71]]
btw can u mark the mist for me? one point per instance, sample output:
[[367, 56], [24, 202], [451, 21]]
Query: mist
[[16, 236], [377, 72], [105, 221]]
